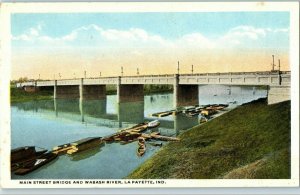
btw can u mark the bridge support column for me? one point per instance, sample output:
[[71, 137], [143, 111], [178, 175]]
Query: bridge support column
[[55, 90], [278, 94], [129, 93], [185, 95]]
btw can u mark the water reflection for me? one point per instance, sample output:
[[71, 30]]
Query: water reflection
[[108, 113], [85, 154]]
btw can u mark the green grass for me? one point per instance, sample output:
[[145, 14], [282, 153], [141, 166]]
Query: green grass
[[252, 139], [19, 95]]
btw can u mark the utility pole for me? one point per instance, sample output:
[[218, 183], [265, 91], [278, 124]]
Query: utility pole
[[192, 69], [273, 65], [137, 71], [279, 65], [121, 70], [178, 67]]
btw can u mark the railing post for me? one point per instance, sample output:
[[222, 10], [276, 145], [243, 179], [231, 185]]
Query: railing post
[[279, 77]]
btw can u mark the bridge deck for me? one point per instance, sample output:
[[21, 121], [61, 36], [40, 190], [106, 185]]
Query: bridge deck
[[235, 78]]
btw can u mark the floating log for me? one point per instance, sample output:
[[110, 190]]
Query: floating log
[[164, 138]]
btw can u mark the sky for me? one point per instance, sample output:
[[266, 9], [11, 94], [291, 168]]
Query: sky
[[46, 45]]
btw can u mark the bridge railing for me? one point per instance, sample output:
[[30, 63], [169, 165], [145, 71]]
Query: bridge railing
[[261, 77]]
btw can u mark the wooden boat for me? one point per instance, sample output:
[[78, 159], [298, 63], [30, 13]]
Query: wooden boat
[[203, 119], [61, 149], [141, 146], [192, 113], [22, 155], [84, 144], [207, 112], [153, 124], [36, 163]]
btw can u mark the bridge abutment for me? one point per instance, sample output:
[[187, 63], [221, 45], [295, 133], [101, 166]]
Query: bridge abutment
[[278, 94], [185, 95]]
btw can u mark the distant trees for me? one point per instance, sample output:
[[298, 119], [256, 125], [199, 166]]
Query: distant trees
[[20, 80]]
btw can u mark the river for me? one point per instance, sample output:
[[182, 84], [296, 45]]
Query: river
[[50, 123]]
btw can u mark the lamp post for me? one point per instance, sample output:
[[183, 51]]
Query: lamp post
[[122, 71], [192, 69], [273, 63], [178, 67]]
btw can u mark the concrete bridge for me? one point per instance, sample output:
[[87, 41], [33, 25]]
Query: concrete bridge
[[185, 86]]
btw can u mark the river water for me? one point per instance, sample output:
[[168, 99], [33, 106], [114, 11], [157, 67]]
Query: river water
[[50, 123]]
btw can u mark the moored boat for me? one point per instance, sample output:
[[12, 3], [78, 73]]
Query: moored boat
[[36, 163], [153, 124], [20, 156], [84, 144], [141, 146], [61, 149]]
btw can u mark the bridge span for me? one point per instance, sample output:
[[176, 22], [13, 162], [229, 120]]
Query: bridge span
[[185, 86]]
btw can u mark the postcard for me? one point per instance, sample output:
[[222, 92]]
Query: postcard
[[149, 94]]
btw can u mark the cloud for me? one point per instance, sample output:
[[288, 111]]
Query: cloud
[[94, 36]]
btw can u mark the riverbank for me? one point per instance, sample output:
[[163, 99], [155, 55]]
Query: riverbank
[[251, 141], [19, 95]]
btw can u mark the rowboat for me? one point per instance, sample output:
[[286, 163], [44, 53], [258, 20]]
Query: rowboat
[[36, 163], [153, 124], [141, 146]]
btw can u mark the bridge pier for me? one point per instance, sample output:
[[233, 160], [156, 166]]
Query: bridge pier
[[185, 95], [278, 94], [129, 93]]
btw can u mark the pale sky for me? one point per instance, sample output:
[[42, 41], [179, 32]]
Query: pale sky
[[69, 44]]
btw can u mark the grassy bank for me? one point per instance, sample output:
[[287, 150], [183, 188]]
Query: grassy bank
[[19, 95], [252, 141]]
